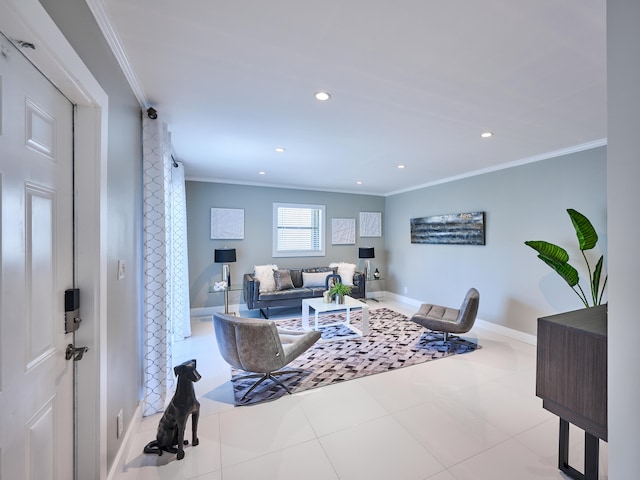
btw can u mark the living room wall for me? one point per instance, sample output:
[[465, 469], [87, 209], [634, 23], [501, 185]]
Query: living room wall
[[256, 247], [526, 202]]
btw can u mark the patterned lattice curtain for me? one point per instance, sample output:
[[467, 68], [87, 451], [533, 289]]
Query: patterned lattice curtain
[[166, 279]]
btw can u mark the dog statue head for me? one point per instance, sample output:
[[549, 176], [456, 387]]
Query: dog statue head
[[187, 370]]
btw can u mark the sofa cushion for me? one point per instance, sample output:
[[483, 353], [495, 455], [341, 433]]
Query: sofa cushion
[[279, 295], [282, 279], [314, 279], [346, 271], [264, 274]]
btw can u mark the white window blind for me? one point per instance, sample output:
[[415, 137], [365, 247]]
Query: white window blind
[[298, 230]]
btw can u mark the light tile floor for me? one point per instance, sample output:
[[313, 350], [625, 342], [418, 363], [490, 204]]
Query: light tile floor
[[472, 416]]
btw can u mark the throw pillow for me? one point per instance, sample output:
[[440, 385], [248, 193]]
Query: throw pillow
[[264, 274], [314, 279], [346, 271], [283, 279], [296, 277]]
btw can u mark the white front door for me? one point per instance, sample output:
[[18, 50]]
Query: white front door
[[36, 267]]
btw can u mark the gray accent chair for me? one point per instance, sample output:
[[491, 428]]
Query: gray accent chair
[[258, 346], [449, 320]]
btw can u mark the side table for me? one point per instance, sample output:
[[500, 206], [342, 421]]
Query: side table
[[366, 290], [226, 290]]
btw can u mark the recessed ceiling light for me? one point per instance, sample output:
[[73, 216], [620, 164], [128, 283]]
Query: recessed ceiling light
[[322, 96], [401, 166], [486, 134], [358, 182], [262, 173], [279, 149]]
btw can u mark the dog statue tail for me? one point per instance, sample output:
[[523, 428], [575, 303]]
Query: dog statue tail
[[154, 447]]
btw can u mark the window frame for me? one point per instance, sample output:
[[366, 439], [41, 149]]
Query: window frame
[[276, 252]]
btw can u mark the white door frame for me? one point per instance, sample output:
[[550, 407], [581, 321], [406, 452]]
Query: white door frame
[[28, 21]]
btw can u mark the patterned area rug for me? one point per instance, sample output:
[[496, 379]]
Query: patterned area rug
[[393, 342]]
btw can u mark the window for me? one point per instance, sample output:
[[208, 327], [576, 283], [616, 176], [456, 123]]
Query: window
[[298, 230]]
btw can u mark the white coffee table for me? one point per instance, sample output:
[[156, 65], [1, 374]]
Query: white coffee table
[[319, 306]]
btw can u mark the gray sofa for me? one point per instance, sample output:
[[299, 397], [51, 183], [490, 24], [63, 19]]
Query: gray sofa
[[292, 297]]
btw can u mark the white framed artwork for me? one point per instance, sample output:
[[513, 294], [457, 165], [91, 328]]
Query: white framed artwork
[[227, 223], [343, 231], [370, 224]]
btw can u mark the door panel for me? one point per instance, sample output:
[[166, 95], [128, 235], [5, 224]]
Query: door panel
[[40, 270], [36, 267], [39, 450]]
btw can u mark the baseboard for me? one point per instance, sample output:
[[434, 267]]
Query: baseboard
[[402, 299], [208, 311], [508, 332], [205, 311], [119, 461]]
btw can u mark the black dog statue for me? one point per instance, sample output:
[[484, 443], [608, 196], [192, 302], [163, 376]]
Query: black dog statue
[[170, 435]]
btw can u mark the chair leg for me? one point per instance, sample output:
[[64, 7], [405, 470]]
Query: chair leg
[[268, 376], [264, 377], [446, 344], [284, 372], [251, 375], [277, 380]]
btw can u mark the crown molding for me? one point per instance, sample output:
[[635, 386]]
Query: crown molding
[[503, 166], [102, 18]]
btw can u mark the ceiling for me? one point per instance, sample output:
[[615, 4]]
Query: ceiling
[[412, 83]]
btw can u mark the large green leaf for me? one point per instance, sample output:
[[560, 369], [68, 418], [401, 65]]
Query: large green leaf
[[558, 259], [549, 250], [587, 236], [604, 285], [595, 280], [566, 271]]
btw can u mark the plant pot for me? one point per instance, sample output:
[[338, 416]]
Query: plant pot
[[340, 299]]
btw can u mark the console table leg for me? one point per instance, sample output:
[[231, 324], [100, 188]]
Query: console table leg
[[591, 456], [563, 446]]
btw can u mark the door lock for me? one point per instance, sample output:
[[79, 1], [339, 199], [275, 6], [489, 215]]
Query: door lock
[[75, 352], [71, 310]]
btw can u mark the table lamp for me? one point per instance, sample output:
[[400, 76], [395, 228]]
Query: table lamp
[[367, 253], [225, 256]]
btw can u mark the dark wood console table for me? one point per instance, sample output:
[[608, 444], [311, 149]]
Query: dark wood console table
[[571, 379]]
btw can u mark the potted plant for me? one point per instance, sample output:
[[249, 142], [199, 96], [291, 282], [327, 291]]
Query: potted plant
[[339, 290], [558, 259]]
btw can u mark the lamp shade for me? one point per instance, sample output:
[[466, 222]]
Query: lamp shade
[[224, 255], [366, 252]]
